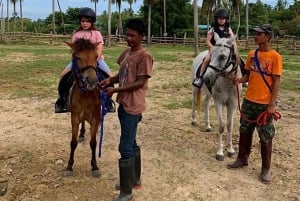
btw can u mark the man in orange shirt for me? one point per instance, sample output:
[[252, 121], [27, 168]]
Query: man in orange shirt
[[264, 69]]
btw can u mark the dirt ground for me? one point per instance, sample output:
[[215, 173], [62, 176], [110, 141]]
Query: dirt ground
[[178, 160]]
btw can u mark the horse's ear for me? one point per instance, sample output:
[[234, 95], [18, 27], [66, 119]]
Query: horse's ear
[[69, 44], [216, 36], [231, 41], [95, 45]]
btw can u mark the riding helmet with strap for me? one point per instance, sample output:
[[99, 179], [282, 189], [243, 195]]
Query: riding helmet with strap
[[88, 13]]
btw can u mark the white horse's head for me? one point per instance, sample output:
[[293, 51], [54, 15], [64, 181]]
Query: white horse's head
[[223, 60]]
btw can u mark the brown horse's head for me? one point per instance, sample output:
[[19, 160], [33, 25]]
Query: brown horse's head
[[85, 63]]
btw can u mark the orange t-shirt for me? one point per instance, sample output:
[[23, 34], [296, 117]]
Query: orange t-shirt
[[132, 65], [270, 63]]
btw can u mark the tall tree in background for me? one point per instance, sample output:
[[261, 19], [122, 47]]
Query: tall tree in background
[[130, 7], [120, 27], [95, 5], [247, 25], [62, 16], [15, 13], [109, 23], [236, 7], [7, 14], [21, 16], [149, 4], [196, 29]]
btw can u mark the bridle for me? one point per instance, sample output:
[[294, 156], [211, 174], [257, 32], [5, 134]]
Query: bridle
[[230, 61], [80, 80]]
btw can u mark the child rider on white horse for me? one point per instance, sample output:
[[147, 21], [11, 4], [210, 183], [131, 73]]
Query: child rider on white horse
[[220, 27]]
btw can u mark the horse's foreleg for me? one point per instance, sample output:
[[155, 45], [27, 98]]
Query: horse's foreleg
[[82, 132], [206, 113], [73, 144], [219, 110], [93, 144], [230, 150]]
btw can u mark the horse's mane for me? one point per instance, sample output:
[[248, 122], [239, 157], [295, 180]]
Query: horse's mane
[[82, 44]]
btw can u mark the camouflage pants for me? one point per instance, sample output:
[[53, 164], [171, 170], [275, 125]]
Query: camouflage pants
[[251, 111]]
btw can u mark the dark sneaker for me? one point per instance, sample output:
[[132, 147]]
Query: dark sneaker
[[60, 106], [198, 82]]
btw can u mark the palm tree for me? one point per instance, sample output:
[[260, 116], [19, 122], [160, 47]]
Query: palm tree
[[165, 20], [15, 13], [247, 24], [21, 16], [196, 29], [7, 15], [95, 2], [149, 4], [120, 29], [62, 16], [109, 23], [236, 7], [53, 17], [130, 6]]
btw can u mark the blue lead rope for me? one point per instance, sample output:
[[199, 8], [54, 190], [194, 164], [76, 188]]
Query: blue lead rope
[[104, 109]]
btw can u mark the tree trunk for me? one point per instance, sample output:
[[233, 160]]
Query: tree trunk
[[247, 25], [196, 29], [7, 13], [109, 24], [21, 15], [53, 17], [62, 17], [149, 24]]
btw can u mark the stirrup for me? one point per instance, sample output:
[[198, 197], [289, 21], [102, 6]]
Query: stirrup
[[112, 106], [198, 82]]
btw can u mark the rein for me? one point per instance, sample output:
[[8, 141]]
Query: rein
[[262, 119]]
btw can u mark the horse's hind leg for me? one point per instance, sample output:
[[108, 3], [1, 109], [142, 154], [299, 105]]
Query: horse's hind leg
[[73, 144], [93, 144], [82, 132]]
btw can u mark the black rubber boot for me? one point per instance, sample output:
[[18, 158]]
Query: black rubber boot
[[137, 184], [60, 105], [266, 155], [245, 144], [126, 169], [198, 82]]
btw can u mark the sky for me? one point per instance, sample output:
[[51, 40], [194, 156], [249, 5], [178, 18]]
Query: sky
[[40, 9]]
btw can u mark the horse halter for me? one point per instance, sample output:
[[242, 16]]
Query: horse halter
[[81, 81], [230, 61]]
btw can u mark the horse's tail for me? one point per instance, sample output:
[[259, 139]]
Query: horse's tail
[[199, 100]]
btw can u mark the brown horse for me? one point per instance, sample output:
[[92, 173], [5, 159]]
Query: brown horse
[[85, 102]]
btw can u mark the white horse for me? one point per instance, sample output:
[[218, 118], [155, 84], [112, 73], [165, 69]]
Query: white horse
[[223, 66]]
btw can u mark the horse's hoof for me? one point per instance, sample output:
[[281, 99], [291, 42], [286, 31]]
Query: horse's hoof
[[230, 154], [68, 173], [194, 123], [220, 157], [208, 130], [80, 139], [96, 173]]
